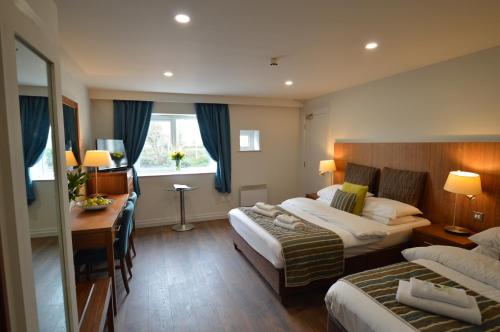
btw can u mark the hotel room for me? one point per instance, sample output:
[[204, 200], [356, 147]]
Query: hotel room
[[250, 166]]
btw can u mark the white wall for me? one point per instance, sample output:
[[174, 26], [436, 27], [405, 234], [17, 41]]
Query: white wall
[[456, 100], [277, 165]]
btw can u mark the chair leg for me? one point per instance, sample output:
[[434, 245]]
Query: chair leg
[[132, 242], [132, 245], [124, 274], [129, 263]]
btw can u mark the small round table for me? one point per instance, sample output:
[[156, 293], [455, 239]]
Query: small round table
[[182, 227]]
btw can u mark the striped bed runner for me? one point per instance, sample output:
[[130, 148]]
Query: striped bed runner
[[381, 285], [310, 254]]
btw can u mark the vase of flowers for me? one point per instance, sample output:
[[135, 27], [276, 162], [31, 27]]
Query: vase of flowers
[[177, 156], [76, 180]]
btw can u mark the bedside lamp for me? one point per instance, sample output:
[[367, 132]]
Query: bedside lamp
[[464, 183], [96, 158], [327, 166], [70, 159]]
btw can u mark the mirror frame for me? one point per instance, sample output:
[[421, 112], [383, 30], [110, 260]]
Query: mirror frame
[[21, 20]]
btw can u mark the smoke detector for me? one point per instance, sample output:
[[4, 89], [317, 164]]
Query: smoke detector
[[274, 62]]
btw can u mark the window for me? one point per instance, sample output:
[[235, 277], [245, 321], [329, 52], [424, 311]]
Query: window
[[44, 168], [172, 132], [249, 140]]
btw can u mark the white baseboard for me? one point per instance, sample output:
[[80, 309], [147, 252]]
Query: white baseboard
[[43, 232], [145, 223]]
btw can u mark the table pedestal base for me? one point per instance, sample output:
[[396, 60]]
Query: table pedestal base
[[182, 227]]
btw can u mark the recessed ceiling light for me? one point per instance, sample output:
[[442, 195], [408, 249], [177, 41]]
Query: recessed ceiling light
[[371, 45], [289, 83], [182, 18], [168, 74]]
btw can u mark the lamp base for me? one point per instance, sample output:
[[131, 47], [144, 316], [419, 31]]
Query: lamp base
[[457, 230]]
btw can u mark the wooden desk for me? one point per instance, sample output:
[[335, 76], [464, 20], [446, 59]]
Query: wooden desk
[[96, 229]]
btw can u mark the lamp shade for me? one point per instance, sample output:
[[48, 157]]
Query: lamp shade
[[326, 166], [70, 159], [465, 183], [95, 158]]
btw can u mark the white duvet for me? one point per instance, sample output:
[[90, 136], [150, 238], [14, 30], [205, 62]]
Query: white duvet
[[358, 312]]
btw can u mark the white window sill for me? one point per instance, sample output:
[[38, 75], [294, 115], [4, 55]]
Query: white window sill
[[42, 179], [170, 173]]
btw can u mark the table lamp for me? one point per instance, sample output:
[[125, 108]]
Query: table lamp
[[96, 158], [327, 166], [70, 159], [465, 183]]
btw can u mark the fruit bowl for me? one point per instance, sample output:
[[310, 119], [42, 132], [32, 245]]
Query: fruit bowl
[[94, 203]]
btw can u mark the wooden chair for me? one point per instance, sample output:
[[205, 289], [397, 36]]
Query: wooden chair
[[90, 258]]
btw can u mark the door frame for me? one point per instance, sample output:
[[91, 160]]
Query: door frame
[[35, 23]]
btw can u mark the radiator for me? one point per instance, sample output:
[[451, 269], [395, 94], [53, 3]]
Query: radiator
[[249, 195]]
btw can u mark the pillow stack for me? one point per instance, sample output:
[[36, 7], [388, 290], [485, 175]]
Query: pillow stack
[[388, 211]]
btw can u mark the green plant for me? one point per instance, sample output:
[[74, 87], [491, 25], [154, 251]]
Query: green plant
[[76, 179]]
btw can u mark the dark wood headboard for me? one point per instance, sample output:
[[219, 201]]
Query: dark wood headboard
[[437, 159]]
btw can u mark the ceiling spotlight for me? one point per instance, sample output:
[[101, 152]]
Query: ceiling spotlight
[[289, 83], [168, 74], [182, 18], [371, 45]]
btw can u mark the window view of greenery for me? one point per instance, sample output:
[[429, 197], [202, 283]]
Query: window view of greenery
[[44, 168], [168, 133]]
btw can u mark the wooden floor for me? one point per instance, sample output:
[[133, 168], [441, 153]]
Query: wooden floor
[[196, 281]]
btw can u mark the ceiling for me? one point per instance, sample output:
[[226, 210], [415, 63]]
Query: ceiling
[[226, 49]]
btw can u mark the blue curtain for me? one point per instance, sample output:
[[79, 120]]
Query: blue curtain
[[70, 131], [35, 124], [131, 119], [213, 120]]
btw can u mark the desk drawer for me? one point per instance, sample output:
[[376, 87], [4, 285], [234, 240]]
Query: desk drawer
[[422, 240]]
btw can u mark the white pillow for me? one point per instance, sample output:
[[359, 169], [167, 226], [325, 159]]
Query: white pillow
[[326, 194], [487, 252], [389, 221], [388, 208], [489, 238], [472, 264]]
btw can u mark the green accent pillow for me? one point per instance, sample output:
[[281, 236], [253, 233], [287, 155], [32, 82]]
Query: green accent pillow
[[343, 201], [360, 192]]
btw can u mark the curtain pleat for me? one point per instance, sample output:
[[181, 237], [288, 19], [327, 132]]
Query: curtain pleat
[[35, 125], [213, 120], [131, 124]]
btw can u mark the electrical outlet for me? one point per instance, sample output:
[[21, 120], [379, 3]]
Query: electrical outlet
[[478, 216]]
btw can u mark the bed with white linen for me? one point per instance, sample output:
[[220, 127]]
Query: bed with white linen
[[367, 243], [351, 309], [359, 234]]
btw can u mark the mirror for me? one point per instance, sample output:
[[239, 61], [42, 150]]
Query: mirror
[[249, 140], [42, 196], [71, 127]]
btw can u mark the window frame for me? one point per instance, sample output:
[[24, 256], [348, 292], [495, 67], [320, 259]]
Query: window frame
[[172, 118]]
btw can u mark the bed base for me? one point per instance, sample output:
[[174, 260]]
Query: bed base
[[333, 325], [276, 277]]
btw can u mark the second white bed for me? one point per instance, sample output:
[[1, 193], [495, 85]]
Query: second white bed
[[356, 242]]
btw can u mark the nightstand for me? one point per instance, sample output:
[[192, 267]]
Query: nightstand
[[312, 196], [436, 235]]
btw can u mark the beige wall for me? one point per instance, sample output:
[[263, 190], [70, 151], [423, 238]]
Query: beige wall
[[276, 165], [455, 100]]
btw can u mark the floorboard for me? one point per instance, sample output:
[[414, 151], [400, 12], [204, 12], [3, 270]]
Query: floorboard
[[196, 281]]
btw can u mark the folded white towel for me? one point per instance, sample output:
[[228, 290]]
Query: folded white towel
[[271, 213], [430, 291], [288, 219], [470, 314], [295, 226], [264, 206]]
